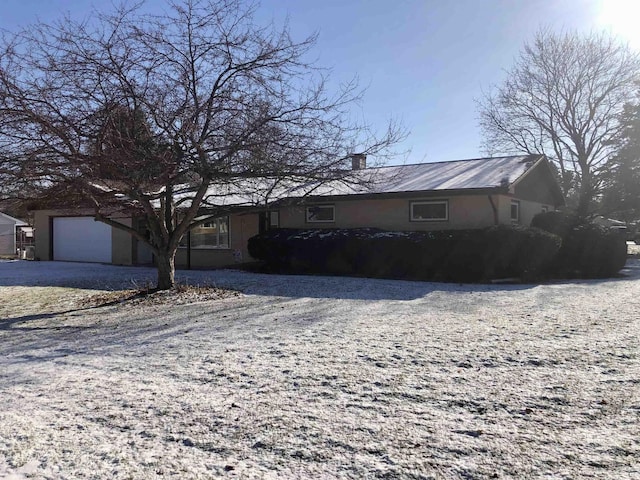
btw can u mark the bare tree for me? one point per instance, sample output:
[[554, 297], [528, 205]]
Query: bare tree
[[162, 116], [563, 98]]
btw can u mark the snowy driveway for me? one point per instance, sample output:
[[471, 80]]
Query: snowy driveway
[[317, 377]]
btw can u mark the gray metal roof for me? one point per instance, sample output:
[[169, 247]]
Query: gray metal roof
[[457, 175], [478, 173]]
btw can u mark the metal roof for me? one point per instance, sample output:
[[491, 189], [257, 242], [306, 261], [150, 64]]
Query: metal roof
[[478, 173], [457, 175], [475, 174]]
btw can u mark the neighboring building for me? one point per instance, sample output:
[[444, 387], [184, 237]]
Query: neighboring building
[[431, 196], [8, 229]]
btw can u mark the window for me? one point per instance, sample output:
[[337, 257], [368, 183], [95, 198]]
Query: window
[[274, 219], [432, 211], [212, 234], [320, 214], [545, 209], [268, 221], [515, 211]]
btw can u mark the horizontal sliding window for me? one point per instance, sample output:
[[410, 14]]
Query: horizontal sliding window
[[320, 213], [430, 211]]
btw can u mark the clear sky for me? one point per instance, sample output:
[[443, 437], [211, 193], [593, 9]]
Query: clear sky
[[424, 62]]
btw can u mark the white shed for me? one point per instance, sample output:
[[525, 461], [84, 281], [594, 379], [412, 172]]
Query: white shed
[[8, 226]]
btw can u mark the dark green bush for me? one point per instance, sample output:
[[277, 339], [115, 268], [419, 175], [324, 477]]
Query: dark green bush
[[451, 255], [588, 250], [517, 251], [558, 223], [591, 251]]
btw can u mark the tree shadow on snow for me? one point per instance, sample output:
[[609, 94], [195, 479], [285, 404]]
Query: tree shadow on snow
[[111, 277]]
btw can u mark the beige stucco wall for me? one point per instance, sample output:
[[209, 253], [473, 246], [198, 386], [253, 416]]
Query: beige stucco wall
[[465, 211], [122, 244], [528, 210], [42, 233]]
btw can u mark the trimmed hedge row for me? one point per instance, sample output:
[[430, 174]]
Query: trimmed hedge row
[[588, 250], [451, 255]]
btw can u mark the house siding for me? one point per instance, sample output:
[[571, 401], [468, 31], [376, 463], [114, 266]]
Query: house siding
[[125, 248], [42, 232], [537, 187], [241, 228], [8, 226], [465, 211], [529, 209], [7, 239], [122, 245]]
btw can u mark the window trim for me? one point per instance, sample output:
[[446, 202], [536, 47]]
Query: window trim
[[326, 205], [515, 203], [445, 202], [187, 236], [274, 219]]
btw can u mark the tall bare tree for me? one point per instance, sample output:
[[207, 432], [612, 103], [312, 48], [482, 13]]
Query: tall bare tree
[[563, 98], [160, 116]]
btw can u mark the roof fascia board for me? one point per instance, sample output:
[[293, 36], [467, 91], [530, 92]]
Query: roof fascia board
[[389, 195], [556, 188], [526, 172]]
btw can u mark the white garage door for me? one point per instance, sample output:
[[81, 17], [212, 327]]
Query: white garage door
[[81, 239]]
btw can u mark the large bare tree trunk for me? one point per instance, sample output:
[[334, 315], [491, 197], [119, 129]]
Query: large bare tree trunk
[[166, 264], [586, 195]]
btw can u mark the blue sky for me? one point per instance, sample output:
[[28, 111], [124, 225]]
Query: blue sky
[[424, 62]]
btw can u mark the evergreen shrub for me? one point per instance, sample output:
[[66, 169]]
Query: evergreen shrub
[[446, 255], [588, 250]]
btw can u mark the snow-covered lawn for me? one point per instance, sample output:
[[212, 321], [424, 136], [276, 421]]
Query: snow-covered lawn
[[317, 377]]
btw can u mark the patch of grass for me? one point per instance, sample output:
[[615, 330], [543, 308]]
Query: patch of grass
[[179, 295]]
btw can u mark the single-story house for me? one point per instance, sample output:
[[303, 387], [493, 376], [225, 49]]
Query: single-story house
[[460, 194], [8, 230]]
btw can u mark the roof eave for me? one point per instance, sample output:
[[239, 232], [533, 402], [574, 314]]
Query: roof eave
[[541, 158], [386, 195]]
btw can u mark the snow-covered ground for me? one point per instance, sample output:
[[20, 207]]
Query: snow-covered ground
[[317, 377]]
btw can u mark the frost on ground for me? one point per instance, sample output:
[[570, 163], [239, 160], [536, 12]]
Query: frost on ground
[[317, 377]]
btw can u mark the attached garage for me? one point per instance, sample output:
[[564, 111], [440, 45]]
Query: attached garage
[[81, 239]]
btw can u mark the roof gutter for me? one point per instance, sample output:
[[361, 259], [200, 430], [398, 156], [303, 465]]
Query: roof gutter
[[389, 195]]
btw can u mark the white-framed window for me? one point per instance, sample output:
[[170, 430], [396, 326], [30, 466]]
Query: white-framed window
[[209, 235], [274, 219], [430, 211], [515, 211], [320, 214]]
